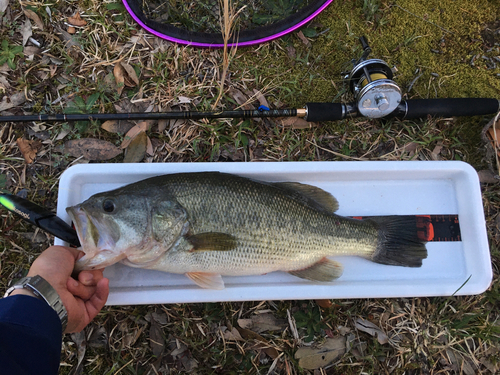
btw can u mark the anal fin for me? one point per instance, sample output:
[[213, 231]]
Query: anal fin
[[207, 280], [324, 270]]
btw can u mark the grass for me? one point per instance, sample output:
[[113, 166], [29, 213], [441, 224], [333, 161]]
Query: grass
[[437, 47]]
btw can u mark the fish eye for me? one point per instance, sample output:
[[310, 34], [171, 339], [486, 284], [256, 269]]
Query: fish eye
[[108, 205]]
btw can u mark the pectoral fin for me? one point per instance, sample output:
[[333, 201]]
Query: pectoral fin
[[207, 280], [212, 241], [324, 270]]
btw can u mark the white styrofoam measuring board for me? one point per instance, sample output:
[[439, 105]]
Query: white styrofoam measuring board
[[362, 189]]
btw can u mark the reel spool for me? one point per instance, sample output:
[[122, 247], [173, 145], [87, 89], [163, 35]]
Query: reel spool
[[377, 95]]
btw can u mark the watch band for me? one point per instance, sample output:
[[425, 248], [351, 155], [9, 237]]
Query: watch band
[[41, 288]]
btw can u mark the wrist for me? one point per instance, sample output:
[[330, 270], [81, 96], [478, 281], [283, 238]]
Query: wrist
[[39, 287], [25, 292]]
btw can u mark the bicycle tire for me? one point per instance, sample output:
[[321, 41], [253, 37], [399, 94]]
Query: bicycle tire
[[244, 38]]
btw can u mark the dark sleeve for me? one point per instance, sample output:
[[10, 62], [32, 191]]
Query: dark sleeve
[[30, 336]]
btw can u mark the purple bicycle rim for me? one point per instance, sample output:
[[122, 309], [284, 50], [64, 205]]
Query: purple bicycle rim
[[242, 44]]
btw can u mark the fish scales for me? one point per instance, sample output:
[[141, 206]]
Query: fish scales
[[272, 230], [210, 224]]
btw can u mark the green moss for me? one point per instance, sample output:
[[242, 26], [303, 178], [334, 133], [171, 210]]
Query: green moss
[[435, 40]]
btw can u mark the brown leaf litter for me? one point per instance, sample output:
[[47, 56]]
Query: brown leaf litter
[[136, 150], [117, 126], [34, 17], [315, 358], [92, 149], [29, 149], [11, 101], [77, 20], [125, 76]]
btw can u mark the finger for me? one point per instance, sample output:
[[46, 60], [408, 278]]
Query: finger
[[98, 300], [77, 317], [77, 254], [80, 290], [90, 278]]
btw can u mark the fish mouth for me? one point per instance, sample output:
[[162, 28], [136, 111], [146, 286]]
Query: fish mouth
[[98, 242]]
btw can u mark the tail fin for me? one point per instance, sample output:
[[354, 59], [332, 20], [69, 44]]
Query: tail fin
[[398, 243]]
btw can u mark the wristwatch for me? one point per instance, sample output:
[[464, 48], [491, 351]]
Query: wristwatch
[[41, 288]]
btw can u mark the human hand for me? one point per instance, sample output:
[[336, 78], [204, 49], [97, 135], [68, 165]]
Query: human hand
[[82, 298]]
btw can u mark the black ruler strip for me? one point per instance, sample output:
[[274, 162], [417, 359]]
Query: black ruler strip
[[434, 227]]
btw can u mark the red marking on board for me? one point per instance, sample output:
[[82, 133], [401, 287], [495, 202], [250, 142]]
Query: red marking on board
[[425, 229]]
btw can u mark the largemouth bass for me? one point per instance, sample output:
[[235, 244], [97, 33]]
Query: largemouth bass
[[210, 224]]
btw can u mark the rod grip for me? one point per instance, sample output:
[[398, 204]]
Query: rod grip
[[324, 112], [418, 108]]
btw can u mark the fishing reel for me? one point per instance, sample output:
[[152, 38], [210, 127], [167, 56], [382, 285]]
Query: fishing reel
[[370, 81]]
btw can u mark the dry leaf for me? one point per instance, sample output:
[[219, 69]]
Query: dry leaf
[[81, 345], [4, 84], [143, 126], [156, 339], [459, 361], [149, 148], [291, 52], [64, 132], [29, 149], [245, 323], [31, 50], [494, 136], [162, 125], [92, 149], [295, 123], [5, 68], [262, 322], [53, 70], [117, 126], [70, 42], [304, 40], [71, 30], [98, 338], [372, 329], [232, 335], [110, 126], [324, 303], [136, 150], [26, 31], [487, 177], [262, 344], [3, 5], [183, 100], [34, 17], [437, 150], [240, 98], [119, 74], [261, 98], [125, 75], [77, 20], [311, 359], [131, 79], [411, 147]]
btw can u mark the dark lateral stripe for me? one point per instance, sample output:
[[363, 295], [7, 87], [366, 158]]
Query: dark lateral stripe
[[436, 228]]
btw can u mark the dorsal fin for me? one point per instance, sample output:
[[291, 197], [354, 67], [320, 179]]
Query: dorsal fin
[[311, 195]]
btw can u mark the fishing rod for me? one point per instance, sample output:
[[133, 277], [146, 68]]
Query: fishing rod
[[370, 81]]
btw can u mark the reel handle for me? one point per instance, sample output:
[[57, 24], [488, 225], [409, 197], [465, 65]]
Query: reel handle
[[420, 108], [409, 109]]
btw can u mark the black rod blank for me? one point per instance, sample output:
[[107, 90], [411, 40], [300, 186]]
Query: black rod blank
[[152, 115]]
